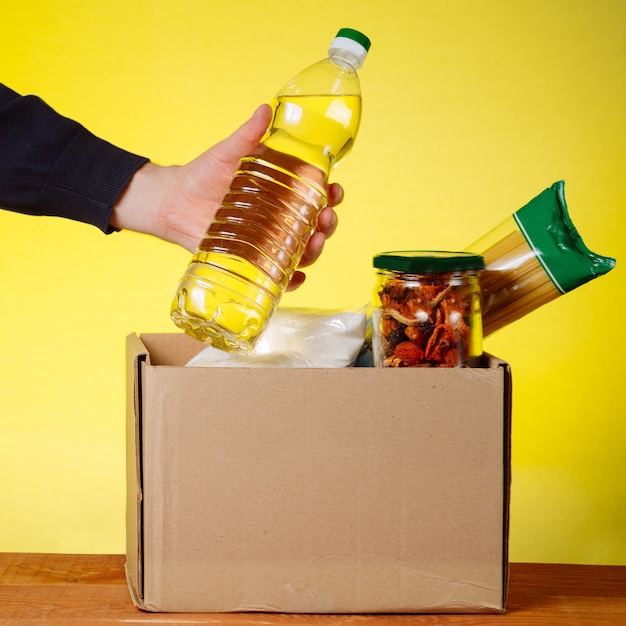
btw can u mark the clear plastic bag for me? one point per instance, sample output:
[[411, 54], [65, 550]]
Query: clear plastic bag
[[299, 337]]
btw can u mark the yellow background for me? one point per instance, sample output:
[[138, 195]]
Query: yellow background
[[471, 108]]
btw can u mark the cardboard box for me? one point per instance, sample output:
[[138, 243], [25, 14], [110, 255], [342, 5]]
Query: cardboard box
[[354, 490]]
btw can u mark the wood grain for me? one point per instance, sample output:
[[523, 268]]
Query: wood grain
[[81, 590]]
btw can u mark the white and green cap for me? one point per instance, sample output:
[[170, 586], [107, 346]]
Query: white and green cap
[[353, 42]]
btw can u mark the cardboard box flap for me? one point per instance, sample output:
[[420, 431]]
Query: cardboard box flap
[[174, 349]]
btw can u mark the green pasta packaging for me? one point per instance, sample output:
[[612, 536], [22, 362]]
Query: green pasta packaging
[[532, 258]]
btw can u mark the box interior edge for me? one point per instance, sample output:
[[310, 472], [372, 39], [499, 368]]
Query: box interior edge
[[137, 355], [507, 461]]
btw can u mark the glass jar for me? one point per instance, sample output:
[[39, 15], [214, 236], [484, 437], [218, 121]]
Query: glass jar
[[426, 309]]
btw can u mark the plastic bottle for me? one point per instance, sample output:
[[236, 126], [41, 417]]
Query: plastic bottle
[[240, 270]]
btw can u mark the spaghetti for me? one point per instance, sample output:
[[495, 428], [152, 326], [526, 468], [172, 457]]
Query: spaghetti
[[532, 258]]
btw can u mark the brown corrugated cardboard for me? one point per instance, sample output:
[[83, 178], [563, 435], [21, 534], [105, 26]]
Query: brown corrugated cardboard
[[356, 490]]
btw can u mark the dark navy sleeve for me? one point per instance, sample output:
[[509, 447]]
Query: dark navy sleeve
[[51, 165]]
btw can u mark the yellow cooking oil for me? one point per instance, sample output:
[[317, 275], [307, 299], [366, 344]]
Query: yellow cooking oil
[[234, 281], [320, 130], [223, 300], [250, 251]]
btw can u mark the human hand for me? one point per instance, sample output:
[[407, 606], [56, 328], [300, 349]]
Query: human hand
[[177, 203]]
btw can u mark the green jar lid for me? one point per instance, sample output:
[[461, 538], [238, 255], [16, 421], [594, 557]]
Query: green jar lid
[[428, 261]]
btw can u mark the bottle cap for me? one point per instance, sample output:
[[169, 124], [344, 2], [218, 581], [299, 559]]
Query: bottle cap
[[428, 261], [351, 41]]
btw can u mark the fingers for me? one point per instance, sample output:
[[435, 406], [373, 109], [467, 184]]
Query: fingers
[[315, 246], [254, 129], [246, 137], [327, 222], [296, 280], [335, 194], [326, 226]]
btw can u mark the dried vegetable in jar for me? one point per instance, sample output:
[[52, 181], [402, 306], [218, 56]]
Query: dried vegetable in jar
[[427, 309]]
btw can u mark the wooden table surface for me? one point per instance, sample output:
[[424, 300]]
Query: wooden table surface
[[91, 589]]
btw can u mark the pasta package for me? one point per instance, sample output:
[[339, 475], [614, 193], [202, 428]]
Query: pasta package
[[532, 258]]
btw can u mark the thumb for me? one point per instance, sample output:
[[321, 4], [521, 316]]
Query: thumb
[[246, 137]]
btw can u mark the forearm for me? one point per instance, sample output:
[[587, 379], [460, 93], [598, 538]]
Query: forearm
[[50, 165], [148, 204]]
